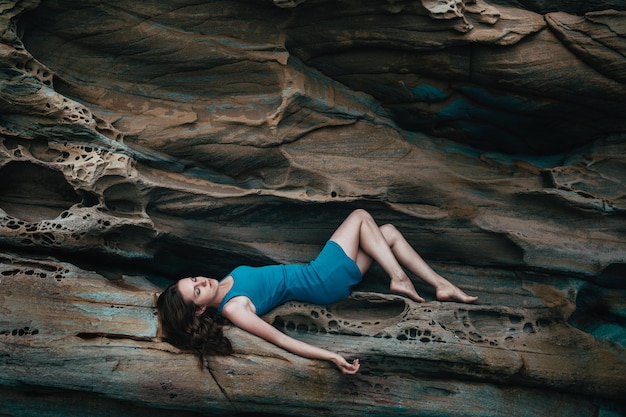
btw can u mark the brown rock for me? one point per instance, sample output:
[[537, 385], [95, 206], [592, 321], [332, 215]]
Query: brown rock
[[140, 143]]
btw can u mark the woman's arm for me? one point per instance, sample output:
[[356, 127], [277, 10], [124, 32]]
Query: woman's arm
[[239, 312]]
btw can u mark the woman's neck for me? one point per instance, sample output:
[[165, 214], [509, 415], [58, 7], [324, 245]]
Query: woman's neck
[[224, 286]]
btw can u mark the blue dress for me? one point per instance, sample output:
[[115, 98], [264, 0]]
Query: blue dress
[[325, 280]]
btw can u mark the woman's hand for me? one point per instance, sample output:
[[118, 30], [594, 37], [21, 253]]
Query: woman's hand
[[345, 366]]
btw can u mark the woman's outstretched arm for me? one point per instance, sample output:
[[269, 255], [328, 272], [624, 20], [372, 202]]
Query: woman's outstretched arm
[[239, 312]]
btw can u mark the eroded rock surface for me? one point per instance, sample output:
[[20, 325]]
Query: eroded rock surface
[[143, 142]]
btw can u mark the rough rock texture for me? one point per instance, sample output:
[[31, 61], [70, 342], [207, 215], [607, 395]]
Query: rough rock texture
[[144, 141]]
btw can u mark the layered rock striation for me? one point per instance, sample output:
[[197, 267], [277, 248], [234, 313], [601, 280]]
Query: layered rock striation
[[143, 142]]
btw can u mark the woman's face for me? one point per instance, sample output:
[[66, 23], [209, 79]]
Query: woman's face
[[201, 291]]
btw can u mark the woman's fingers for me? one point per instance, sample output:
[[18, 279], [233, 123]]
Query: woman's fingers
[[345, 366], [351, 368]]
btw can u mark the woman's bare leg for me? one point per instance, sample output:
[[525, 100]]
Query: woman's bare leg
[[411, 260], [364, 241]]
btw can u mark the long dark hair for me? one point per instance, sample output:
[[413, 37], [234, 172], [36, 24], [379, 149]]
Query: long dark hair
[[202, 334]]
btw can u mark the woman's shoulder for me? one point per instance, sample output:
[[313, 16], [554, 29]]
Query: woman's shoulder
[[237, 305], [242, 269]]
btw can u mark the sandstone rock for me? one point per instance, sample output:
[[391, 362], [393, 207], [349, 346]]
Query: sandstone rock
[[144, 142], [86, 333], [596, 38]]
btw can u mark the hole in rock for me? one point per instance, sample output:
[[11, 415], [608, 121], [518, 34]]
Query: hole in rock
[[119, 199], [600, 312], [613, 276], [41, 150], [528, 328], [34, 193], [89, 198], [485, 321], [364, 310]]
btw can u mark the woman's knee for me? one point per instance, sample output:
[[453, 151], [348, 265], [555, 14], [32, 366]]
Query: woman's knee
[[361, 214], [363, 217], [390, 232]]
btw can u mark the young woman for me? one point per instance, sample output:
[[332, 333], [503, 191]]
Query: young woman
[[191, 310]]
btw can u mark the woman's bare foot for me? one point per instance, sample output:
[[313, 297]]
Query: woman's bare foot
[[450, 292], [405, 287]]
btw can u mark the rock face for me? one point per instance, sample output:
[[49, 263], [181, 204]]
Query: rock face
[[145, 141]]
